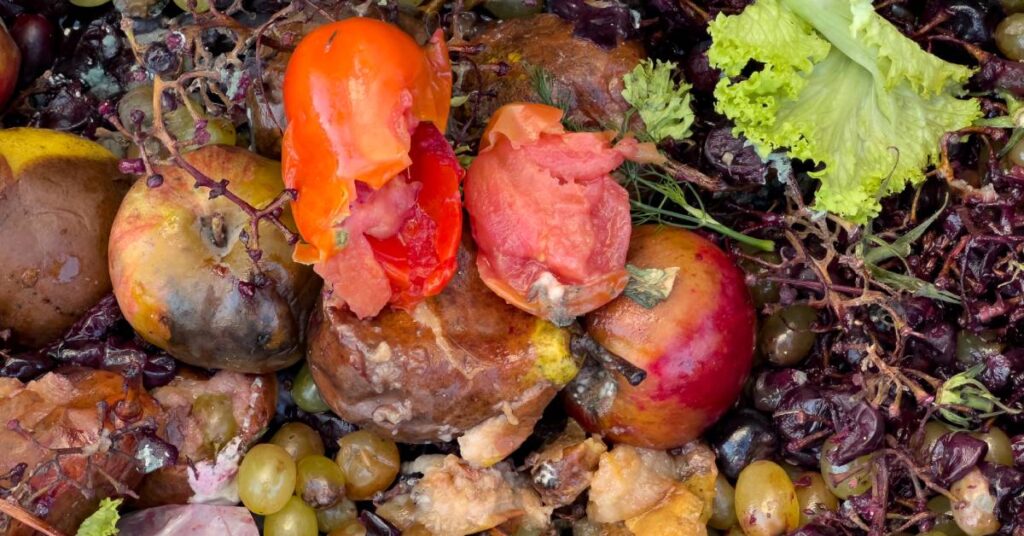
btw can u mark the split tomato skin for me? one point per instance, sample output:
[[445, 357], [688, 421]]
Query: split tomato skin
[[366, 105], [697, 346], [551, 223]]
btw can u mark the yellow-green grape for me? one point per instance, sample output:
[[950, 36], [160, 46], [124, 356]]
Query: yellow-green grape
[[299, 439], [1012, 6], [999, 449], [723, 508], [975, 511], [813, 496], [845, 481], [766, 503], [1010, 36], [354, 528], [296, 518], [215, 413], [266, 479], [306, 394], [514, 9], [335, 517], [202, 6], [88, 3], [944, 521], [370, 463], [180, 122], [319, 481]]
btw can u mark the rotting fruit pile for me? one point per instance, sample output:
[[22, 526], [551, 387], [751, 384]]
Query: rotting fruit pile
[[512, 267]]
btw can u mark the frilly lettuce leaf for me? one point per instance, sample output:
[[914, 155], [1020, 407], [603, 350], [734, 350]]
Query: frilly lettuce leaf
[[663, 105], [102, 522], [842, 87]]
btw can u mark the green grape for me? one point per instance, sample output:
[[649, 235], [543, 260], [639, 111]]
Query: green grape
[[334, 517], [1010, 36], [845, 481], [813, 496], [306, 394], [786, 336], [299, 440], [514, 9], [215, 413], [766, 502], [944, 521], [974, 512], [202, 6], [355, 528], [999, 449], [179, 122], [296, 518], [319, 481], [266, 479], [971, 348], [370, 463], [723, 508], [88, 3], [1012, 6]]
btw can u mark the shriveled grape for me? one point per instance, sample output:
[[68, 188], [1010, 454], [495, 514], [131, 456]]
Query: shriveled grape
[[847, 480], [370, 463], [299, 439], [266, 479], [999, 449], [296, 518], [766, 502]]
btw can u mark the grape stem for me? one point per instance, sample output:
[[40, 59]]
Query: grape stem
[[587, 346], [15, 511]]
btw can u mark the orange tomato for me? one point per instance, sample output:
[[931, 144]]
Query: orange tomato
[[354, 92]]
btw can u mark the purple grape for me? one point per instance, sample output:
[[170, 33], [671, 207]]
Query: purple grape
[[953, 455], [37, 38]]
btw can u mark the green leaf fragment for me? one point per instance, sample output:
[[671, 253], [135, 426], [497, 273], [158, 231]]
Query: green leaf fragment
[[102, 522], [650, 286], [663, 105]]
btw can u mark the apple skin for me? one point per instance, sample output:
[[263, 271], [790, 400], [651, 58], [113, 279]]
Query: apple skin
[[697, 346], [177, 279], [10, 63]]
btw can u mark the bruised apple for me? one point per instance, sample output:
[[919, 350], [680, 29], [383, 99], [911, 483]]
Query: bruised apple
[[696, 346], [183, 277], [58, 197], [461, 364]]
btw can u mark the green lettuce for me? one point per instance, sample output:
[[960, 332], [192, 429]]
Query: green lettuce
[[102, 522], [663, 105], [842, 87]]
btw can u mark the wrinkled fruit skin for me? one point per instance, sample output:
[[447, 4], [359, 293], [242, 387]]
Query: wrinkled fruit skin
[[58, 197], [586, 76], [63, 410], [442, 369], [10, 62], [176, 262], [697, 346]]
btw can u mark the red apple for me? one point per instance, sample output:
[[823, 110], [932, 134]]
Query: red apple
[[10, 62], [696, 346]]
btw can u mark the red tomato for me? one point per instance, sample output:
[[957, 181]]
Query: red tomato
[[551, 223], [367, 105]]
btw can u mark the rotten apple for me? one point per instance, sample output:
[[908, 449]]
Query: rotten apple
[[185, 280], [696, 345]]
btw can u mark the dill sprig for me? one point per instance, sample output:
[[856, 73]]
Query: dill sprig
[[669, 193]]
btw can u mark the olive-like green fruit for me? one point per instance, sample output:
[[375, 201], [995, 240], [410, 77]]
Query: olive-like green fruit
[[514, 9], [723, 507], [306, 394], [1010, 36], [971, 348], [787, 336]]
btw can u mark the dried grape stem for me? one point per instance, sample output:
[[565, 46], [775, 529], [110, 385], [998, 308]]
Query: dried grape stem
[[586, 345], [15, 511]]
